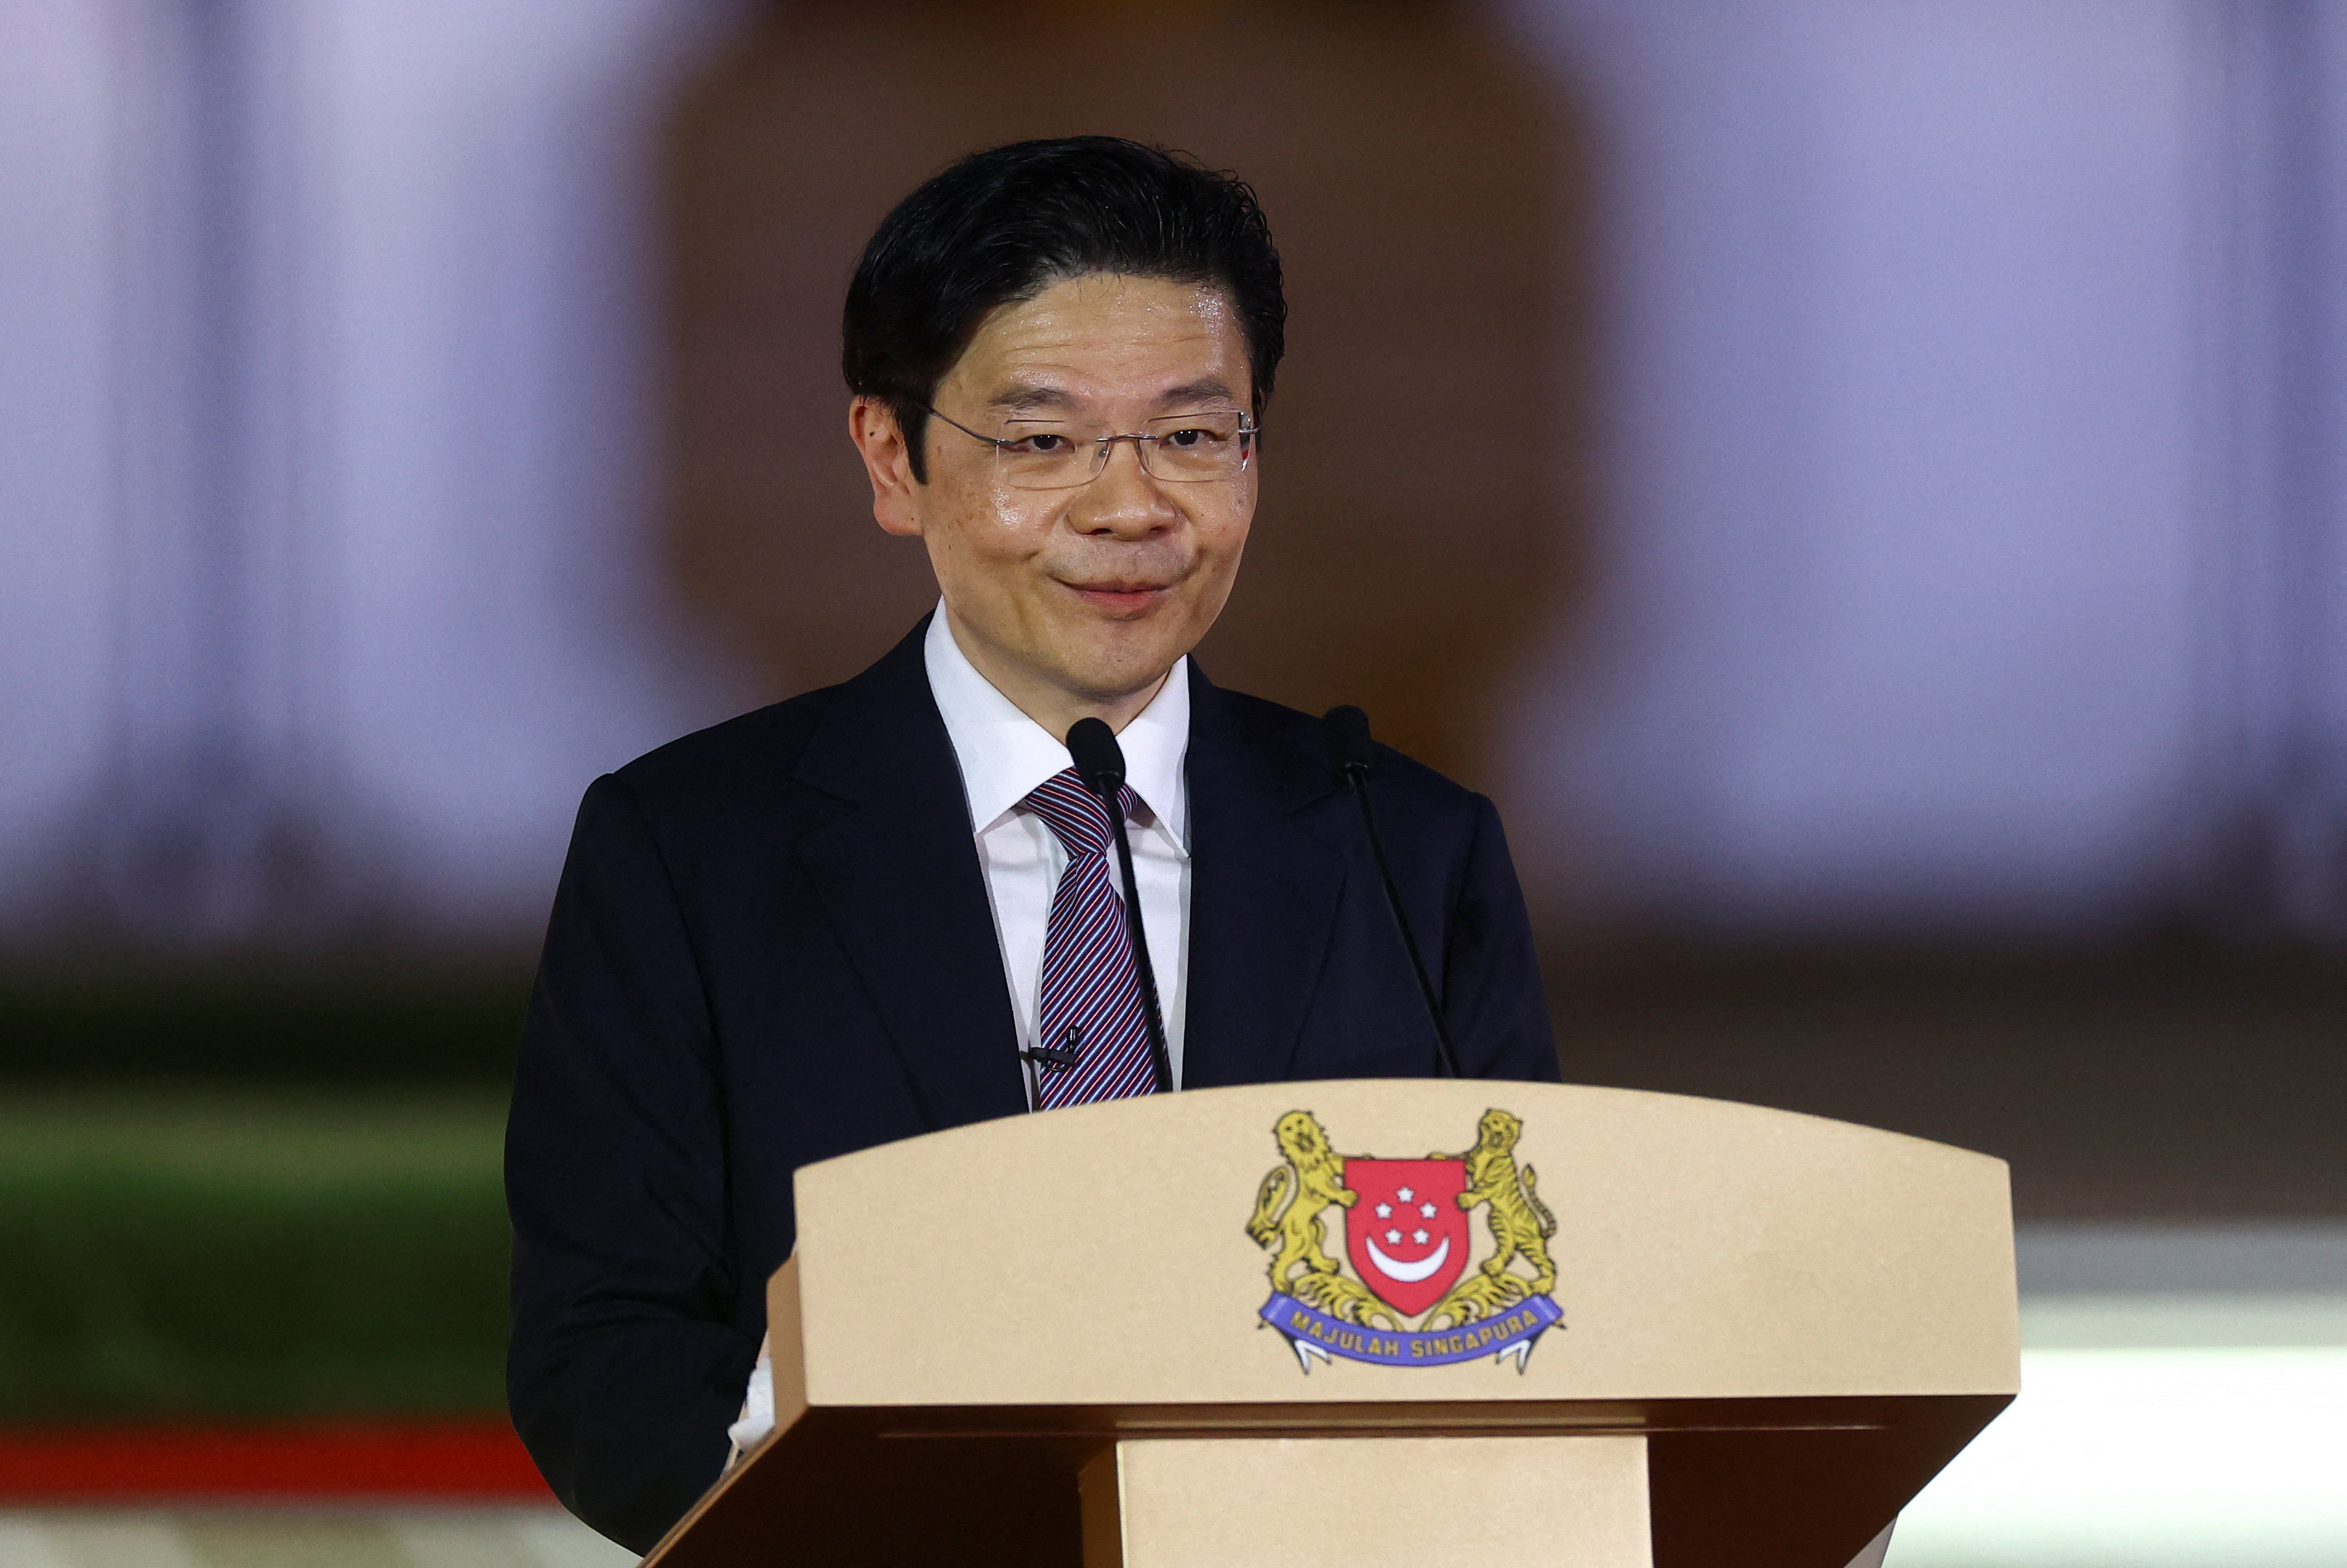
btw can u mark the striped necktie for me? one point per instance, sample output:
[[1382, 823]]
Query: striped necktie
[[1090, 998]]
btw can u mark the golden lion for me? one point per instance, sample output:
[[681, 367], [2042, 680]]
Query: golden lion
[[1295, 1236], [1520, 1225]]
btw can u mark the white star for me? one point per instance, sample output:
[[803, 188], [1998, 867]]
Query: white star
[[1425, 1209], [1385, 1211], [1418, 1236], [1393, 1236], [1405, 1195]]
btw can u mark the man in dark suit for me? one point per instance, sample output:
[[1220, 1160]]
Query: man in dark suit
[[888, 907]]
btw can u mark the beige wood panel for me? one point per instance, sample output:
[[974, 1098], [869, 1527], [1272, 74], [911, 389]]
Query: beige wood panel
[[785, 1346], [1376, 1502], [1705, 1251]]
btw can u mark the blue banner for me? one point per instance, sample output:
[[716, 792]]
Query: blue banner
[[1512, 1332]]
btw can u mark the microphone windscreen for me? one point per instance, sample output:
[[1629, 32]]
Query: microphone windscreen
[[1099, 761], [1347, 730]]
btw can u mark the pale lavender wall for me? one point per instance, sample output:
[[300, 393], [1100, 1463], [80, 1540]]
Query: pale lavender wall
[[1936, 335], [54, 424], [327, 581]]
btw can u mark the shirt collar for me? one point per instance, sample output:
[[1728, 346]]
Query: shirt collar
[[1004, 754]]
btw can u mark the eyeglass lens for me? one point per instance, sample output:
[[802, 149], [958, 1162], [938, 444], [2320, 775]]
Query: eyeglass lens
[[1053, 454]]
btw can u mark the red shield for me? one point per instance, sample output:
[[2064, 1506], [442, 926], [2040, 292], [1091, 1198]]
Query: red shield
[[1408, 1235]]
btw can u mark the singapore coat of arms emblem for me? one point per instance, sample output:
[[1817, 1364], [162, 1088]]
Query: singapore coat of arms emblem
[[1410, 1299]]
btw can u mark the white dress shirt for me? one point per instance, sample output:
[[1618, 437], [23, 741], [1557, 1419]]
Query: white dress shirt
[[1004, 755]]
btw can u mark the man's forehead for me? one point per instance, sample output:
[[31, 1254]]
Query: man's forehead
[[1104, 338], [1023, 395]]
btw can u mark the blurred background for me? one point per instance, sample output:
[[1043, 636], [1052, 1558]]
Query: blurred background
[[1859, 481]]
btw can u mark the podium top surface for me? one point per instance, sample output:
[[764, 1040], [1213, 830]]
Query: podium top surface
[[1611, 1245]]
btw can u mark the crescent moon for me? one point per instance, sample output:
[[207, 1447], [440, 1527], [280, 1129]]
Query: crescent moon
[[1408, 1273]]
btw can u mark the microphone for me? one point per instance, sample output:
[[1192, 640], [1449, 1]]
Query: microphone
[[1347, 730], [1099, 762]]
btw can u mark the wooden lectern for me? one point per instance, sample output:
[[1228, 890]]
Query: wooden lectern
[[1372, 1324]]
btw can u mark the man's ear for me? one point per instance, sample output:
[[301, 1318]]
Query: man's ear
[[895, 494]]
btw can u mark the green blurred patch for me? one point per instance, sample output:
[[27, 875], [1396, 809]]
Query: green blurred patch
[[190, 1252], [326, 1024]]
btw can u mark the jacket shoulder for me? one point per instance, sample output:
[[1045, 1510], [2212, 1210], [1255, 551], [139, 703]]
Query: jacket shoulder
[[1295, 740], [756, 759], [753, 750]]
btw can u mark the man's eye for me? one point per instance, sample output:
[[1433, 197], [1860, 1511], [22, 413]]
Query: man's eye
[[1045, 445], [1189, 438]]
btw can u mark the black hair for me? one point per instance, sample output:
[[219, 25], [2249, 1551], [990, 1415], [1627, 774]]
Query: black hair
[[1000, 226]]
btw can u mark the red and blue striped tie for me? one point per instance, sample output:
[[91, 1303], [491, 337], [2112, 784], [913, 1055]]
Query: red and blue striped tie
[[1090, 998]]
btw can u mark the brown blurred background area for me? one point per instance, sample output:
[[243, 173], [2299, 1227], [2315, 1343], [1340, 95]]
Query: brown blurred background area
[[1425, 502]]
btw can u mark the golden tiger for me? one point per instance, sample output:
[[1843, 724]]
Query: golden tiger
[[1295, 1236], [1521, 1224]]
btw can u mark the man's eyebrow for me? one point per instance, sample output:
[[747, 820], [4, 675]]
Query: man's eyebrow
[[1198, 391], [1022, 399]]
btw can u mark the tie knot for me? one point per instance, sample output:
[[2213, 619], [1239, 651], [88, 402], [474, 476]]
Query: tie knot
[[1074, 814]]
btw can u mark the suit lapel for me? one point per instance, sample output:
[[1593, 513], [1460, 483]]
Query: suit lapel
[[899, 877], [1264, 890]]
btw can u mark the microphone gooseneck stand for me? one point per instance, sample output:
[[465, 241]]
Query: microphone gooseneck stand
[[1347, 730], [1099, 762]]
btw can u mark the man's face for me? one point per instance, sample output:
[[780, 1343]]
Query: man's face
[[1088, 593]]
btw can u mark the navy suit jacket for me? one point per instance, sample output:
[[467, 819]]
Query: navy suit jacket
[[772, 944]]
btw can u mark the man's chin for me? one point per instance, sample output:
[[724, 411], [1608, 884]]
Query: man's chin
[[1108, 668]]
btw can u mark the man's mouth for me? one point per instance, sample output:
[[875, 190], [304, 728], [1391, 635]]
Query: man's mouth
[[1113, 595]]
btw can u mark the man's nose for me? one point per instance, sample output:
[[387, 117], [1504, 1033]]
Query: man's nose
[[1124, 501]]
